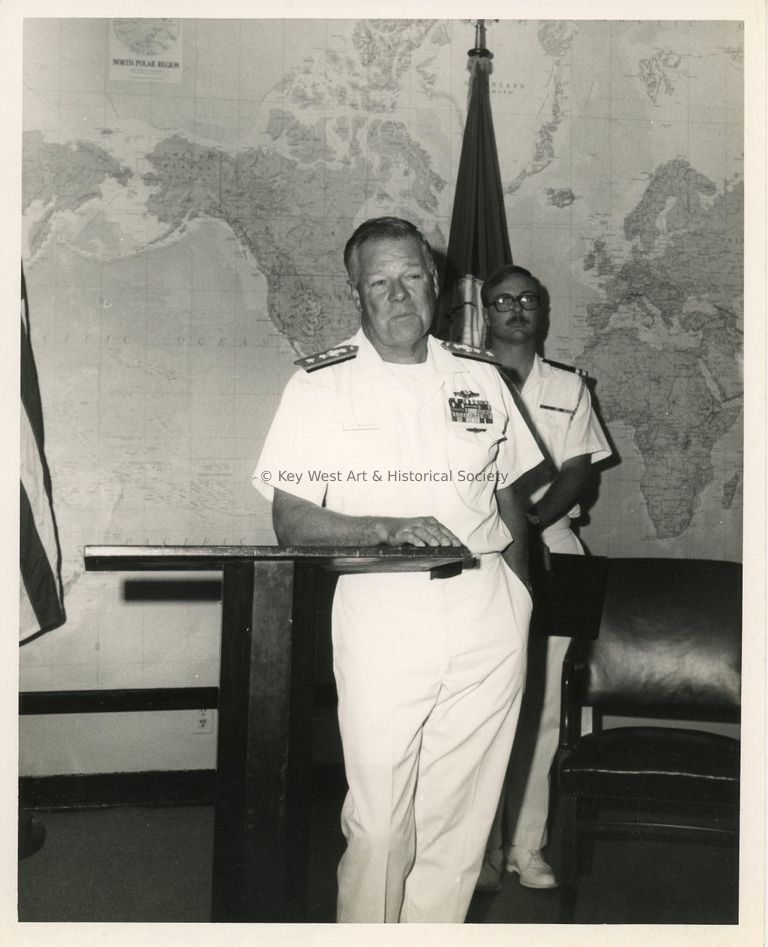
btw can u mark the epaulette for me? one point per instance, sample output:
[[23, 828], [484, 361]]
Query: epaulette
[[339, 353], [469, 351], [566, 368]]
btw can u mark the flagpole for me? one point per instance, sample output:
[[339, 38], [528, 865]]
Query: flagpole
[[480, 51], [478, 242]]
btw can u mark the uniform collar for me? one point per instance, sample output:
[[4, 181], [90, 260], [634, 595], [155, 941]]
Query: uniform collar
[[373, 364], [445, 361], [535, 375], [368, 361], [372, 367]]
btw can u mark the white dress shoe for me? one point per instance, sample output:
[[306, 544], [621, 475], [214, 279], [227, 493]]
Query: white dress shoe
[[534, 872]]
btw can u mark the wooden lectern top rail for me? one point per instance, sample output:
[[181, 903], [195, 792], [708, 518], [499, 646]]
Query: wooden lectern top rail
[[447, 559]]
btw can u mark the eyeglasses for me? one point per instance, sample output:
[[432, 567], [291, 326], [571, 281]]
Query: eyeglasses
[[507, 301]]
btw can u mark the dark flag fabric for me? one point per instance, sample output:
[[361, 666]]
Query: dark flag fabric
[[478, 241], [41, 594]]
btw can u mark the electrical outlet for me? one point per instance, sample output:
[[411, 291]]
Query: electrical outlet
[[202, 721]]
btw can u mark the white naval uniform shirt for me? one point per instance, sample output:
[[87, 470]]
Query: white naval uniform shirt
[[357, 439], [561, 408]]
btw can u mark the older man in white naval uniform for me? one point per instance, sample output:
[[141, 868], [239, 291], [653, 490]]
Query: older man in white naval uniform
[[559, 405], [393, 438]]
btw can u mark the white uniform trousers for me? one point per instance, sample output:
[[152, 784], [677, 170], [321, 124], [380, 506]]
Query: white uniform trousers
[[429, 677], [524, 804]]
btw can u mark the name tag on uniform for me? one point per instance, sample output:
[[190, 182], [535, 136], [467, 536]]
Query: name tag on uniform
[[361, 425], [468, 408]]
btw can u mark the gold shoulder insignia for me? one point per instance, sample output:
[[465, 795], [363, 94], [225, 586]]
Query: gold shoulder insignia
[[566, 368], [339, 353], [469, 351]]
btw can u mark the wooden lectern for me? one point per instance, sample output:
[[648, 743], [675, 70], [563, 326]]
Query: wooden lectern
[[270, 600]]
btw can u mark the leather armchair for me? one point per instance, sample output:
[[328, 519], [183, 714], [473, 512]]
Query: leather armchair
[[668, 649]]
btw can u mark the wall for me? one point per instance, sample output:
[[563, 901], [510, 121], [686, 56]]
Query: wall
[[183, 229]]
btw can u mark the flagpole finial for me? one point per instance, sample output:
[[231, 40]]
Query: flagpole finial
[[480, 51]]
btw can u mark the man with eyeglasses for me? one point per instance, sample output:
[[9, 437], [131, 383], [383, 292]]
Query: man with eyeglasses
[[558, 402]]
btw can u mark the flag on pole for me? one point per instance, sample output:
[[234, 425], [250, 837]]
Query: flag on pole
[[478, 241], [41, 593]]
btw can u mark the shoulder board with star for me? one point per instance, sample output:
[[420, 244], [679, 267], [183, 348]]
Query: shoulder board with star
[[339, 353], [566, 368], [470, 351]]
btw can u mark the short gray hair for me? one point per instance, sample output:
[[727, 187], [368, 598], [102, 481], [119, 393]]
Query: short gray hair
[[383, 228]]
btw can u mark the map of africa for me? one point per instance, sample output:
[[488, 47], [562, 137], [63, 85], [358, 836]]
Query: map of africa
[[183, 246]]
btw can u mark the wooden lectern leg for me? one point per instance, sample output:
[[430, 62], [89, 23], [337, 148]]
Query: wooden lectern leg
[[266, 698]]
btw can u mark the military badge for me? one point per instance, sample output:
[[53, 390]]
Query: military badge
[[470, 410]]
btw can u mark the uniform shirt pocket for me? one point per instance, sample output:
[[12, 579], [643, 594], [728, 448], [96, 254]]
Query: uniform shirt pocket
[[474, 446], [553, 427]]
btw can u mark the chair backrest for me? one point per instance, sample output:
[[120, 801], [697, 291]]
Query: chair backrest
[[669, 642]]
